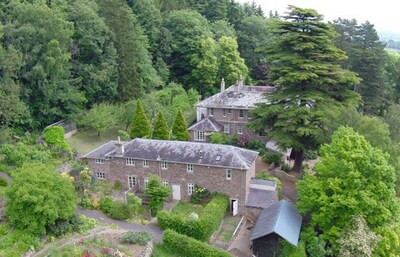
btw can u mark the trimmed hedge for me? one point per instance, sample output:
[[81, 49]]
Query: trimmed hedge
[[200, 229], [186, 246], [115, 209]]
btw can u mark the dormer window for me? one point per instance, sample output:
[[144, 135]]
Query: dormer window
[[99, 161], [130, 162]]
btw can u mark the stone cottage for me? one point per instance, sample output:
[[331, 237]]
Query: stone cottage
[[228, 112], [180, 165]]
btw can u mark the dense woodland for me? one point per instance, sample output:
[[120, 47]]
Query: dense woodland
[[103, 62]]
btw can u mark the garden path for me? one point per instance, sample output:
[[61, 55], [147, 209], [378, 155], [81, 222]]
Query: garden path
[[152, 228]]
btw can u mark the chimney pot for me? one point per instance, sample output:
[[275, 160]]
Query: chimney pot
[[222, 85], [119, 147]]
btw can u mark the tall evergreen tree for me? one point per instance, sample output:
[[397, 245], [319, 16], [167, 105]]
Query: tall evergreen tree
[[179, 128], [136, 73], [367, 57], [161, 130], [309, 82], [140, 123]]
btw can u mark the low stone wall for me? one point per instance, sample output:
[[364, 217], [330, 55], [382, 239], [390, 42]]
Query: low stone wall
[[148, 250], [283, 175]]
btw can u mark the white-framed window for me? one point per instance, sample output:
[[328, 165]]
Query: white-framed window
[[164, 165], [100, 175], [165, 183], [99, 161], [145, 163], [199, 136], [212, 112], [241, 114], [229, 111], [130, 162], [131, 181], [224, 112], [146, 183], [226, 128], [190, 188], [189, 167], [229, 174], [240, 129]]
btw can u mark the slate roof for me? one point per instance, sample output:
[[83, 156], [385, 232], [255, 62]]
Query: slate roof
[[282, 219], [237, 97], [206, 124], [262, 193], [180, 152]]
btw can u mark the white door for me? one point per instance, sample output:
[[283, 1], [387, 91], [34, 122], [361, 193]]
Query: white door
[[176, 192], [234, 207]]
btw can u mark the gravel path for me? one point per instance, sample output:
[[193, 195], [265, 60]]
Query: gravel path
[[152, 228]]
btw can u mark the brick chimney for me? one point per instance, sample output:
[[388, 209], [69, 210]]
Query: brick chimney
[[119, 147], [240, 84], [222, 85]]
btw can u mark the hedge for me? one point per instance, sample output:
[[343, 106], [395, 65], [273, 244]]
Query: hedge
[[200, 229], [186, 246]]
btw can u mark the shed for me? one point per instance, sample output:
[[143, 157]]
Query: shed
[[280, 220]]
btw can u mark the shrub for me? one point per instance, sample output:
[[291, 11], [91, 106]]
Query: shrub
[[82, 223], [285, 167], [3, 182], [256, 144], [274, 158], [134, 202], [136, 237], [105, 204], [186, 246], [117, 185], [86, 202], [158, 193], [200, 195], [61, 227], [219, 138], [310, 154], [119, 210], [202, 228], [54, 136]]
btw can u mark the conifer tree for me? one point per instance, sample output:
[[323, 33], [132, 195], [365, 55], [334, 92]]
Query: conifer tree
[[161, 130], [140, 124], [309, 80], [179, 128]]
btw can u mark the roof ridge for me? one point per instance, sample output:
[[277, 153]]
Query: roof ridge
[[281, 207], [100, 146]]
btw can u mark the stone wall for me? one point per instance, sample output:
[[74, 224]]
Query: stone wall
[[212, 178], [148, 250]]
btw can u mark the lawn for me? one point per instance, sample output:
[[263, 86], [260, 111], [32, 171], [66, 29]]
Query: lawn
[[86, 139], [185, 209]]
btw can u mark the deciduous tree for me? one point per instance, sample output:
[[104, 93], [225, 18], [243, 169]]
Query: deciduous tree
[[101, 117], [352, 178], [38, 197]]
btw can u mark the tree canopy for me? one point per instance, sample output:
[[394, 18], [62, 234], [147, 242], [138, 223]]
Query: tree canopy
[[309, 82], [39, 197], [352, 178], [140, 124]]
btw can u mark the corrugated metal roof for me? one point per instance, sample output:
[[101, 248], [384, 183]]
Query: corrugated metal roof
[[180, 152], [242, 97], [281, 218], [207, 124]]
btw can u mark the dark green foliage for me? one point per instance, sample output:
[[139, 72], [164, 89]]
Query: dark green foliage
[[285, 167], [54, 136], [119, 210], [179, 128], [315, 245], [39, 197], [309, 82], [160, 130], [186, 246], [140, 123], [271, 157], [136, 237], [200, 195], [310, 154], [24, 152], [3, 182], [158, 193], [288, 250], [136, 73], [202, 228], [105, 204]]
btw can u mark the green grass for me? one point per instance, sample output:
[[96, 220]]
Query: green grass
[[183, 208], [161, 251], [86, 139]]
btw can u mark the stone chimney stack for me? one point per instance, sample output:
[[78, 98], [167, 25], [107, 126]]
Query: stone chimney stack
[[240, 81], [119, 147], [222, 85]]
